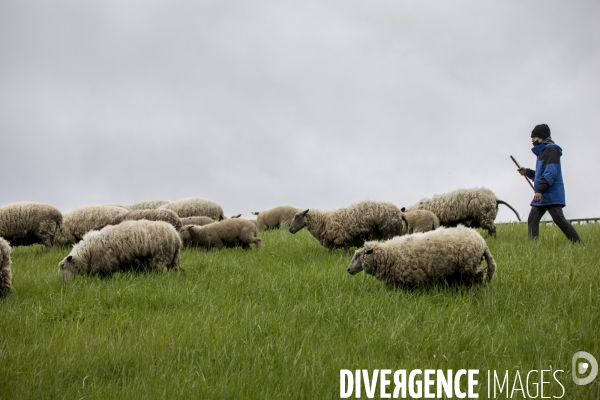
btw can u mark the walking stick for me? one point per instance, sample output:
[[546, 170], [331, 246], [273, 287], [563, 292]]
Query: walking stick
[[524, 176]]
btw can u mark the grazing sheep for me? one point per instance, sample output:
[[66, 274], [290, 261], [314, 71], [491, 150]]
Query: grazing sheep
[[5, 271], [148, 214], [227, 233], [451, 255], [29, 223], [195, 207], [148, 205], [276, 218], [475, 208], [196, 221], [130, 246], [82, 220], [421, 220], [351, 226]]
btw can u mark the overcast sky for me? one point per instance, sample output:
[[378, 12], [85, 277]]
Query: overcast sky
[[314, 104]]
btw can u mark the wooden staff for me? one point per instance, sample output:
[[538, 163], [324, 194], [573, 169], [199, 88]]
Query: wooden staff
[[525, 176]]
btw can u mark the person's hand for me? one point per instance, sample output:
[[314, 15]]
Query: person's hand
[[537, 197], [522, 171]]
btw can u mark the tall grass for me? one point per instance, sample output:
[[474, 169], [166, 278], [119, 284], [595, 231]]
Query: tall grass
[[282, 321]]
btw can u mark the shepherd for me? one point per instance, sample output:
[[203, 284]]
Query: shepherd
[[547, 184]]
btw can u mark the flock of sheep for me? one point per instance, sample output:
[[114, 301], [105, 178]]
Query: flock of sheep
[[429, 242]]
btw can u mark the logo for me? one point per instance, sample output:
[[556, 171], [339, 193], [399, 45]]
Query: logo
[[582, 367]]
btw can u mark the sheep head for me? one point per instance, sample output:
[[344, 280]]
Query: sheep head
[[67, 267], [299, 221]]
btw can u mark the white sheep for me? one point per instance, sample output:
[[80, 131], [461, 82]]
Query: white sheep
[[452, 255], [26, 223], [475, 208], [421, 220], [80, 221], [351, 226], [129, 246], [275, 218], [195, 207], [148, 214], [227, 233], [196, 221], [148, 205], [5, 270]]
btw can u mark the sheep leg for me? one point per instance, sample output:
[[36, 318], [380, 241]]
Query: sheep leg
[[176, 263]]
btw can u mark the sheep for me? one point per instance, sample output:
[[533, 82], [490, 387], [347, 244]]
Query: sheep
[[276, 218], [451, 255], [129, 246], [196, 221], [421, 220], [148, 205], [476, 208], [227, 233], [84, 219], [351, 226], [5, 271], [148, 214], [195, 207], [29, 223]]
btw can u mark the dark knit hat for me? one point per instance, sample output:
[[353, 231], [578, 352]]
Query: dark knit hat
[[541, 131]]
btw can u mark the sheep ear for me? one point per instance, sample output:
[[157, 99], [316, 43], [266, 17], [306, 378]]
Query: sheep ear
[[69, 258], [369, 251], [305, 211], [403, 209]]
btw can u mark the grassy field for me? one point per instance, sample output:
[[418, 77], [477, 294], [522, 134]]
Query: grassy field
[[281, 322]]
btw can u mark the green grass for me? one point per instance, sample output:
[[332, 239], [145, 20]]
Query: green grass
[[281, 322]]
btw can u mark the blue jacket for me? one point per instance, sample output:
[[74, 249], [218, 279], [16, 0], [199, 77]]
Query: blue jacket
[[547, 177]]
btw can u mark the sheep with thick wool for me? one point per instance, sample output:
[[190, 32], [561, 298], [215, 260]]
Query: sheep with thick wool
[[227, 233], [148, 205], [148, 214], [129, 246], [5, 271], [275, 218], [80, 221], [351, 226], [27, 223], [451, 255], [475, 208], [200, 221], [195, 207], [421, 220]]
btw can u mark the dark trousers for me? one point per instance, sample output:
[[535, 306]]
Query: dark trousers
[[536, 214]]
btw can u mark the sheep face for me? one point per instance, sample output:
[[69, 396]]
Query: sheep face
[[184, 233], [299, 221], [67, 267], [360, 260]]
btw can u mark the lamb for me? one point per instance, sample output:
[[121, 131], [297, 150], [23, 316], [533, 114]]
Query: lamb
[[421, 220], [196, 221], [148, 205], [227, 233], [28, 223], [275, 218], [5, 271], [130, 246], [84, 219], [195, 207], [148, 214], [451, 255], [351, 226], [476, 208]]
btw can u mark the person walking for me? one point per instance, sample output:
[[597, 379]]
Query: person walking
[[548, 185]]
